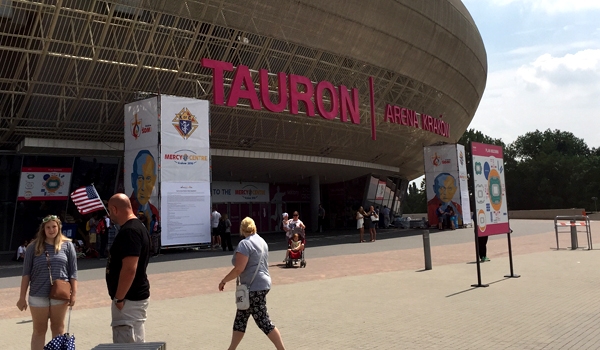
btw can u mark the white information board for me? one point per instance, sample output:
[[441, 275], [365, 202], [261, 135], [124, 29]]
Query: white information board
[[186, 213]]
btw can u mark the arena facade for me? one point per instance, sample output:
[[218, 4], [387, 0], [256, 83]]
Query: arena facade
[[324, 101]]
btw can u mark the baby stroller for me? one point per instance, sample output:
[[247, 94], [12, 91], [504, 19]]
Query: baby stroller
[[294, 257]]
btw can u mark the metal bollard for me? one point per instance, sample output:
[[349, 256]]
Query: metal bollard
[[427, 249], [573, 235]]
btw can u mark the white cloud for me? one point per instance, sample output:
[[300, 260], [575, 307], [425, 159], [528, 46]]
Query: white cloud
[[550, 92], [554, 6], [579, 69]]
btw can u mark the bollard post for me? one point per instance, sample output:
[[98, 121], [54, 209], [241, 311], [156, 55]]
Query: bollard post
[[427, 249], [573, 235]]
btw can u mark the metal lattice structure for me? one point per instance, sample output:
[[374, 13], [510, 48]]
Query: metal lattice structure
[[69, 66]]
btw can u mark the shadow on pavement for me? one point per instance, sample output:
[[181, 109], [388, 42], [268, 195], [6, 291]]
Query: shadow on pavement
[[473, 288]]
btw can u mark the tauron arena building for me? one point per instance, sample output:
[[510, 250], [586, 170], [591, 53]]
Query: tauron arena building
[[325, 101]]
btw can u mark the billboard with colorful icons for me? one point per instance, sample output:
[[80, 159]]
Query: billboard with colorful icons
[[44, 184], [444, 185], [491, 209]]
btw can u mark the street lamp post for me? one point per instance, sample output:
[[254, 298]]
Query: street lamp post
[[595, 207]]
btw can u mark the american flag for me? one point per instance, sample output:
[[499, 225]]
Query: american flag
[[86, 199]]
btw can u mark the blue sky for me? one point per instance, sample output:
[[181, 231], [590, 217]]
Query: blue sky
[[543, 67]]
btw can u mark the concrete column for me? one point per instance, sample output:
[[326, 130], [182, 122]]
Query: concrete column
[[315, 199]]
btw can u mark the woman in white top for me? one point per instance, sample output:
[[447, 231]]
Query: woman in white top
[[360, 223]]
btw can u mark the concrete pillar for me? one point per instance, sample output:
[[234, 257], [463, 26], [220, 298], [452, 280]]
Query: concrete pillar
[[315, 200]]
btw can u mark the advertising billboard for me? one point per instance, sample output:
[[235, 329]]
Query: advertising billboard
[[184, 170], [491, 210], [44, 184], [141, 163], [444, 182]]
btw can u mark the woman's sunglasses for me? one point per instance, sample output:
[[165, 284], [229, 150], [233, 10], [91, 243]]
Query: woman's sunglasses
[[49, 217]]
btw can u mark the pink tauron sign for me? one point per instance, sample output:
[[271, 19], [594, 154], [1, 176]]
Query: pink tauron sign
[[343, 102]]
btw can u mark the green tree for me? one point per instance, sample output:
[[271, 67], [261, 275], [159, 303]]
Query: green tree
[[416, 199], [549, 170]]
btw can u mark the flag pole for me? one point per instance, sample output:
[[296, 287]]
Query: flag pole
[[98, 195]]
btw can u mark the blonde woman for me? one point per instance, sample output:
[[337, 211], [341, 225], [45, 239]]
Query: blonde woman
[[252, 252], [48, 245], [360, 223]]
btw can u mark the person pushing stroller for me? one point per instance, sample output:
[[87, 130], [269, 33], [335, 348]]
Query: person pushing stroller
[[295, 233]]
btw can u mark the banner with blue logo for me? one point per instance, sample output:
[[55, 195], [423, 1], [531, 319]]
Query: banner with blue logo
[[184, 170]]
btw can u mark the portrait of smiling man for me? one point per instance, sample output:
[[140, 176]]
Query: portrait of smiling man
[[445, 187], [143, 180]]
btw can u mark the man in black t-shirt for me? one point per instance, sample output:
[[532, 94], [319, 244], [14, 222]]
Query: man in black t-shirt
[[126, 278]]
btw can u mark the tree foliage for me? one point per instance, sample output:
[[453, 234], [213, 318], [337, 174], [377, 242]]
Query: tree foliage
[[416, 199], [551, 170]]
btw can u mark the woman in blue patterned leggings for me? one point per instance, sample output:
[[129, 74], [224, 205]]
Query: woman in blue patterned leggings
[[251, 264]]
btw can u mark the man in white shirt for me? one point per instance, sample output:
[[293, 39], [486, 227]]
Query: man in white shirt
[[21, 251], [215, 216]]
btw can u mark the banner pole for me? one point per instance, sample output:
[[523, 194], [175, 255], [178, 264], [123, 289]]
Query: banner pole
[[479, 284], [510, 258], [471, 185], [96, 191], [12, 230]]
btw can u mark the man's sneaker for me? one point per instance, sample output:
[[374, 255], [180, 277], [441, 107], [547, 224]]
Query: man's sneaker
[[485, 258]]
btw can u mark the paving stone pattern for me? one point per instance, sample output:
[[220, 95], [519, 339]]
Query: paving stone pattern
[[379, 299]]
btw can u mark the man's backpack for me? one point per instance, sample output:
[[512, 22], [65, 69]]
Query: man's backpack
[[221, 227]]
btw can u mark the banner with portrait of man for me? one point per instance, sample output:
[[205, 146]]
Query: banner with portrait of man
[[141, 161], [445, 178]]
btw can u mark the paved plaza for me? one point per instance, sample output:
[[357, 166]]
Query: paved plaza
[[361, 296]]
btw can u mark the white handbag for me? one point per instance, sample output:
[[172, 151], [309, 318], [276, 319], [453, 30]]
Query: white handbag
[[242, 291]]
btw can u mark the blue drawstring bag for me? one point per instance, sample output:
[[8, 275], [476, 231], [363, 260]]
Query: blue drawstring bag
[[64, 341]]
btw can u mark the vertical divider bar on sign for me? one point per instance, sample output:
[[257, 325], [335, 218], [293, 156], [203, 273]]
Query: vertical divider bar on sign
[[160, 155], [209, 159]]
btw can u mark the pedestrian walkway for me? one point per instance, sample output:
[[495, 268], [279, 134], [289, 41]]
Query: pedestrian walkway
[[368, 296]]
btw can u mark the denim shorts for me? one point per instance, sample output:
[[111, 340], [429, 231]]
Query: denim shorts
[[44, 302]]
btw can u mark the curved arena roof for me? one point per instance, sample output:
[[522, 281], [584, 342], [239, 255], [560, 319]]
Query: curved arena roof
[[69, 66]]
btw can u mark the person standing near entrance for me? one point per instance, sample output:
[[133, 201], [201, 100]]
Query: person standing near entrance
[[226, 238], [360, 223], [126, 277], [385, 213], [215, 217], [483, 248], [372, 223], [321, 218]]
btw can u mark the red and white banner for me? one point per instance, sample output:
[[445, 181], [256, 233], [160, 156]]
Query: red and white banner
[[44, 184]]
